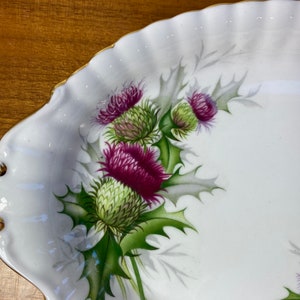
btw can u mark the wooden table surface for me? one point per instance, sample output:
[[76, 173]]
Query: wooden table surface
[[42, 42]]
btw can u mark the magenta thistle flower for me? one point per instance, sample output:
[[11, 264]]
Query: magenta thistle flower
[[203, 107], [136, 168], [120, 103]]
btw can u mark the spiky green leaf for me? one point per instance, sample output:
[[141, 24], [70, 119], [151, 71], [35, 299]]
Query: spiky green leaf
[[101, 263], [153, 222], [292, 295], [169, 89], [166, 125], [186, 184], [79, 206], [223, 94], [169, 154]]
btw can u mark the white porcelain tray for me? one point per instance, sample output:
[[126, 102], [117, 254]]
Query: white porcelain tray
[[168, 167]]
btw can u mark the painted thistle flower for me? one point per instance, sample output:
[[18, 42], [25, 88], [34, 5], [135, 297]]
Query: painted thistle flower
[[136, 168], [120, 103], [137, 125], [116, 205], [184, 119], [203, 107]]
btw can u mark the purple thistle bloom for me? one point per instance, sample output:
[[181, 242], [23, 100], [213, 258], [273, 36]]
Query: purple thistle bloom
[[203, 107], [136, 168], [120, 103]]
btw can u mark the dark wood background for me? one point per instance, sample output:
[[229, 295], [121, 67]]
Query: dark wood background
[[42, 42]]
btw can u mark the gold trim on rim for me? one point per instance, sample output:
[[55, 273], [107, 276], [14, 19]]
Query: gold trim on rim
[[82, 67], [2, 224], [134, 31], [3, 167]]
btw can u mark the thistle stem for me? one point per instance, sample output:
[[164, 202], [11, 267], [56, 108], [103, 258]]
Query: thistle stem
[[122, 286], [132, 282], [138, 278]]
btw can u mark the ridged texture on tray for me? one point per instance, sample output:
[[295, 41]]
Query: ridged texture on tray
[[41, 152]]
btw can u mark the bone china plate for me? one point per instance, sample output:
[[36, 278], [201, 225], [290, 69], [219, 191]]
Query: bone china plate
[[168, 167]]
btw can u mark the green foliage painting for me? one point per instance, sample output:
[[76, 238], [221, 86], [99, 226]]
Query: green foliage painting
[[139, 170]]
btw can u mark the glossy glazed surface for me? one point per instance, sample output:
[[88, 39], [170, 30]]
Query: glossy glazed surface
[[238, 144]]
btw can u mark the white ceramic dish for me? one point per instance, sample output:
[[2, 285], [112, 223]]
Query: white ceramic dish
[[241, 239]]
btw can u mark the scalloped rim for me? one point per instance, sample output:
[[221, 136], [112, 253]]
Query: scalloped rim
[[149, 27]]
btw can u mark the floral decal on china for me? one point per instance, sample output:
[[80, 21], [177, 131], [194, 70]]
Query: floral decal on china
[[292, 295], [128, 179]]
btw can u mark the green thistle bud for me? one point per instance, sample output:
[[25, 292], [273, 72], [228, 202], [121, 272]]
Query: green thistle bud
[[117, 206], [184, 119], [137, 125]]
